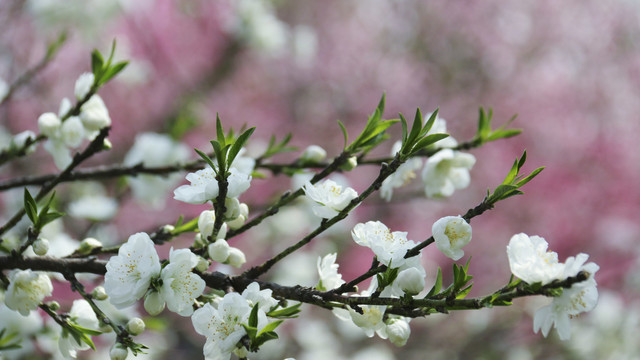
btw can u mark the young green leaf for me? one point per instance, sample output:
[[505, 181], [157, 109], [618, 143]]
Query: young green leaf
[[437, 286], [30, 206], [238, 144], [344, 133]]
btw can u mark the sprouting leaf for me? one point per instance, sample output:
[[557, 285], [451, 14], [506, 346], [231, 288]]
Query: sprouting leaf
[[437, 286]]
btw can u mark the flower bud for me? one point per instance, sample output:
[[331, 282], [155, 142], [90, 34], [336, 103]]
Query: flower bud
[[53, 305], [198, 242], [233, 208], [168, 228], [65, 107], [206, 221], [94, 114], [237, 222], [99, 293], [49, 123], [118, 352], [72, 132], [219, 250], [398, 331], [351, 164], [153, 303], [236, 257], [244, 210], [203, 264], [222, 233], [88, 245], [411, 281], [451, 233], [106, 144], [20, 140], [135, 326], [313, 153], [40, 247], [83, 85]]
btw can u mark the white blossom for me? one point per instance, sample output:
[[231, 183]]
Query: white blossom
[[254, 296], [49, 124], [83, 85], [330, 278], [329, 197], [72, 132], [398, 331], [223, 326], [26, 290], [236, 257], [313, 153], [82, 314], [411, 281], [129, 274], [20, 139], [60, 152], [451, 233], [180, 286], [402, 176], [94, 114], [581, 297], [26, 328], [118, 352], [447, 171], [96, 207], [204, 186], [530, 260], [206, 221], [219, 250], [390, 248]]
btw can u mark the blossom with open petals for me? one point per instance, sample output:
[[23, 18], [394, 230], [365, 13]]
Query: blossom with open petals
[[81, 314], [94, 114], [451, 233], [223, 326], [254, 296], [330, 278], [447, 171], [180, 286], [129, 274], [26, 290], [329, 197], [530, 260], [204, 186], [389, 247], [580, 297]]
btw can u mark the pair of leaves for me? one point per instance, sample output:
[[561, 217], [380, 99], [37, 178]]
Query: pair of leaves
[[459, 286], [44, 216], [486, 134], [257, 338], [387, 277], [373, 133], [417, 139], [225, 149], [104, 71], [513, 181], [80, 334]]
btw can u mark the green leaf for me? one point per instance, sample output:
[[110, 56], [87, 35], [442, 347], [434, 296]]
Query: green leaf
[[220, 132], [416, 128], [381, 103], [44, 219], [53, 47], [464, 292], [437, 286], [113, 71], [289, 312], [190, 226], [503, 134], [270, 326], [344, 133], [206, 158], [238, 144], [30, 207], [403, 122], [253, 316], [429, 124], [513, 172], [97, 63], [503, 192], [429, 140], [530, 177]]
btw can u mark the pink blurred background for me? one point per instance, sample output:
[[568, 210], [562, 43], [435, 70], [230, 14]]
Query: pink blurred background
[[570, 70]]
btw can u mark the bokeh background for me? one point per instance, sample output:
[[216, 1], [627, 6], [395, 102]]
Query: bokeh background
[[570, 70]]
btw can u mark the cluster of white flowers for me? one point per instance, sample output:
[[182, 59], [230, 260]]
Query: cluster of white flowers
[[443, 172], [390, 249], [530, 261], [154, 150], [71, 132], [329, 197], [131, 273], [222, 324], [219, 249]]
